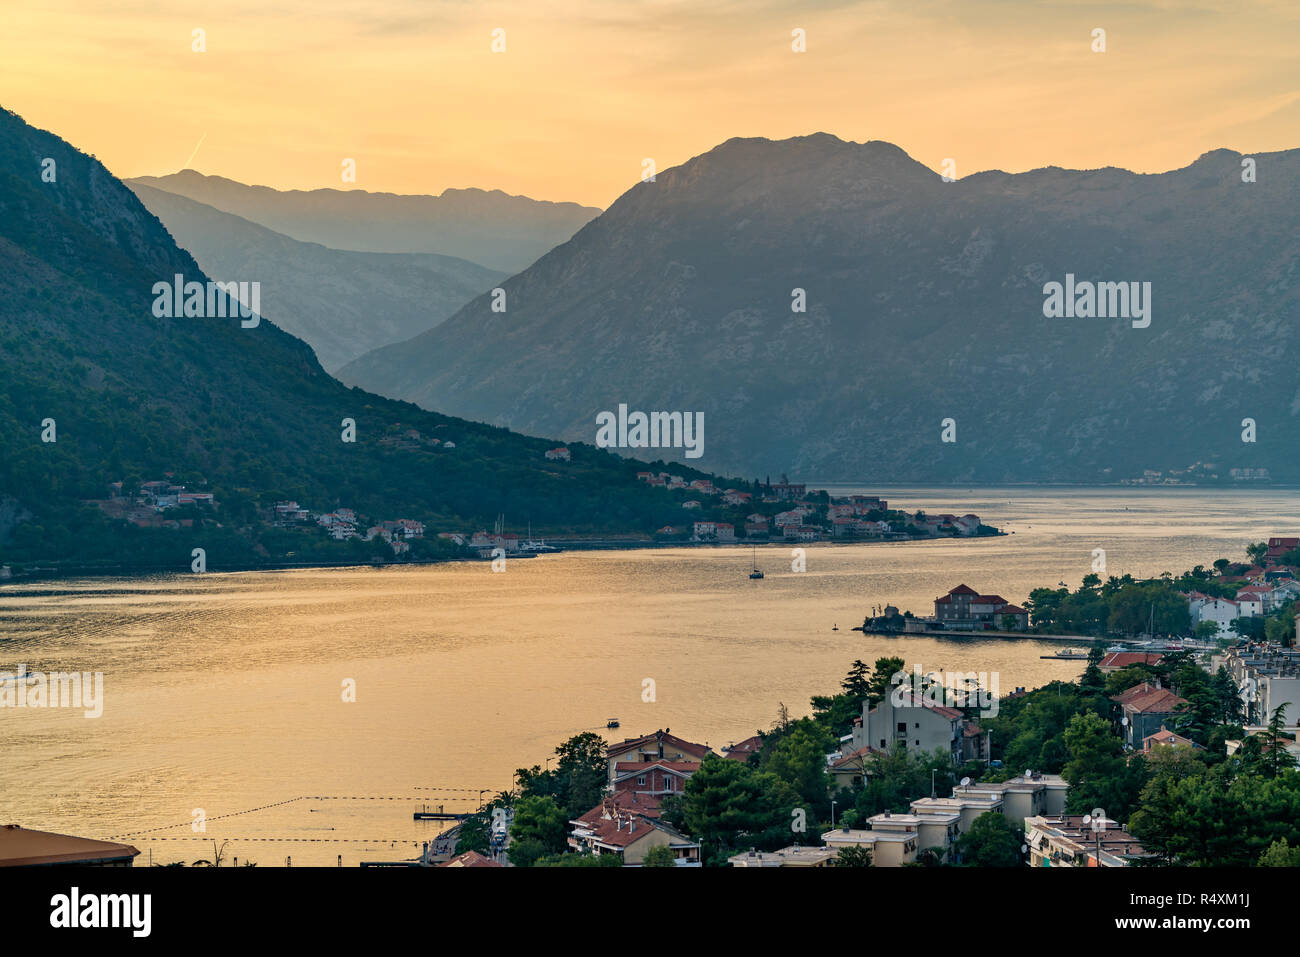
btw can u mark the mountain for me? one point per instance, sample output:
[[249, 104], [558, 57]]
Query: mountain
[[500, 231], [925, 301], [343, 303], [96, 388]]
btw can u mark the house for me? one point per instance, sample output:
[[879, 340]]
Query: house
[[801, 533], [1028, 795], [704, 531], [691, 504], [21, 847], [658, 746], [870, 503], [733, 497], [1067, 841], [655, 779], [912, 723], [742, 750], [790, 492], [725, 532], [1221, 611], [1147, 707], [288, 512], [558, 455], [470, 859], [630, 836], [893, 843], [966, 609], [629, 801], [793, 856], [851, 769], [1164, 738], [756, 530], [1278, 547]]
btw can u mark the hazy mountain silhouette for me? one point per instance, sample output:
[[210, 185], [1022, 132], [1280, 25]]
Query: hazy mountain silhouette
[[246, 412], [343, 303], [488, 227], [924, 302]]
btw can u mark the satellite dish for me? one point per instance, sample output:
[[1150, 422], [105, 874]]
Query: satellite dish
[[1124, 721], [965, 782]]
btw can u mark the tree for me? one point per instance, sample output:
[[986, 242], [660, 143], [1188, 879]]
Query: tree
[[1280, 854], [1097, 773], [852, 855], [728, 804], [662, 856], [539, 828], [1206, 631], [799, 759], [857, 683], [992, 841], [582, 772], [475, 833]]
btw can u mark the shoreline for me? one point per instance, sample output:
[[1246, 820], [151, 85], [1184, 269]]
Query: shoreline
[[566, 545]]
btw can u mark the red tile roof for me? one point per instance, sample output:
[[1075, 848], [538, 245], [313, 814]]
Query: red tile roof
[[470, 859], [669, 740], [1124, 659]]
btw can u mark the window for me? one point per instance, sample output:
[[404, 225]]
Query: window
[[668, 784], [641, 780], [902, 727]]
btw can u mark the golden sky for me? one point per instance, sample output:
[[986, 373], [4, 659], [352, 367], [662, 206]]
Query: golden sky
[[586, 89]]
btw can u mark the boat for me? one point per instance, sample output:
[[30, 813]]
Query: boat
[[534, 547], [755, 574], [835, 627], [1068, 654], [611, 722]]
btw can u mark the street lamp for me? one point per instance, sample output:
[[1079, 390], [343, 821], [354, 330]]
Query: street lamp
[[833, 803]]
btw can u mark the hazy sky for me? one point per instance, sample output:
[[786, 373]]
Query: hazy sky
[[586, 89]]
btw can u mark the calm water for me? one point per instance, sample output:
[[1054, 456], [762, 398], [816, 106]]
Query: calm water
[[224, 692]]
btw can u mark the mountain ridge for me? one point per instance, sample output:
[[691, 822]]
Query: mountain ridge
[[919, 291]]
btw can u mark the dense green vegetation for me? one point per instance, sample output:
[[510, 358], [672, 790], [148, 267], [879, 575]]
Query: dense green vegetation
[[245, 413]]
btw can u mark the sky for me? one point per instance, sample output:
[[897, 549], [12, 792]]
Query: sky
[[586, 90]]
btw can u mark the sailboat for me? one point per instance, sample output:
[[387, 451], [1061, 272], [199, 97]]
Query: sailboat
[[755, 574]]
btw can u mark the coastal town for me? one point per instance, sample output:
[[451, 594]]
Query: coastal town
[[766, 512], [930, 773]]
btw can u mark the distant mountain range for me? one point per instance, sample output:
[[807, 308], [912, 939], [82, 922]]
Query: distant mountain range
[[96, 387], [925, 301], [491, 228], [343, 303]]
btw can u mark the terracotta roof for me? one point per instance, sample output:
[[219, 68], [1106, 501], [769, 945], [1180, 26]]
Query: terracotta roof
[[741, 750], [1154, 701], [627, 829], [1123, 659], [627, 801], [963, 590], [670, 740], [20, 847], [684, 768], [1013, 610], [1165, 737], [936, 708], [470, 859], [854, 758]]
